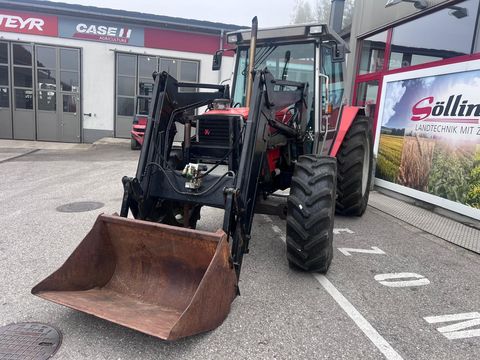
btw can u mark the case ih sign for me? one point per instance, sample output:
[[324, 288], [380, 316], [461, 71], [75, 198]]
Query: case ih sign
[[35, 24], [100, 31], [103, 33]]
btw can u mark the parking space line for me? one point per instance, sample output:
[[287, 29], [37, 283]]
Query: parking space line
[[385, 348], [378, 340]]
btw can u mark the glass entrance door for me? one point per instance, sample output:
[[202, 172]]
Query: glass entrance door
[[69, 95], [58, 94]]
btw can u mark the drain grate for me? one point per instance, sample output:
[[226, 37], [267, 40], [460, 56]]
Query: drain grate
[[33, 341], [80, 206]]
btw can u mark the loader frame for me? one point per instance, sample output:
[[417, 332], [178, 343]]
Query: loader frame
[[236, 192]]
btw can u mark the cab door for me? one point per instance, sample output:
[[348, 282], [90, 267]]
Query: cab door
[[332, 88]]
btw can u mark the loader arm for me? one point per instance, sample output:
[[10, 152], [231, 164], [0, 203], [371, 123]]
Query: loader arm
[[234, 191], [265, 103]]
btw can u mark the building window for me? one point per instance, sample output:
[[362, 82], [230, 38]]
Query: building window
[[3, 53], [23, 76], [440, 35], [46, 59], [372, 55], [4, 97], [147, 65], [126, 79], [4, 78], [135, 84]]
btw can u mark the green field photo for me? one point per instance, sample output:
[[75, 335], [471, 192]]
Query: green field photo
[[389, 157]]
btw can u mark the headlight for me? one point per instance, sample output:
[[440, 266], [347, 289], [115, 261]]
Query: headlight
[[232, 39], [316, 30]]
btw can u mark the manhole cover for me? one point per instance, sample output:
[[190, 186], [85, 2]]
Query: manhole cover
[[33, 341], [80, 206]]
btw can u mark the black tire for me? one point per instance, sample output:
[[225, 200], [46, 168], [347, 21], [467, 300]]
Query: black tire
[[354, 164], [310, 215], [134, 145]]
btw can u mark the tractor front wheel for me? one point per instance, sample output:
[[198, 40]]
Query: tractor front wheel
[[354, 163], [310, 215]]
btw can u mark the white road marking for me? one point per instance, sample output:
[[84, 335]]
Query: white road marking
[[338, 231], [374, 250], [385, 348], [276, 229], [456, 331], [384, 279]]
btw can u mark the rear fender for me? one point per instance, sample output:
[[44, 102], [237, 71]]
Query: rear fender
[[347, 116]]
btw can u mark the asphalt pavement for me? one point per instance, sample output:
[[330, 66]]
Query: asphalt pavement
[[393, 291]]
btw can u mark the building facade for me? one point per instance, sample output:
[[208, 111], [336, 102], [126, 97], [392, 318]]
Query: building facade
[[416, 69], [72, 73]]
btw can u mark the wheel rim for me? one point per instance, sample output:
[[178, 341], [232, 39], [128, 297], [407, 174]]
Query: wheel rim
[[366, 167]]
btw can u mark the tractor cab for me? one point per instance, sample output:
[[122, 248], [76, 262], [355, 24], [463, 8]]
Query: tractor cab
[[312, 54]]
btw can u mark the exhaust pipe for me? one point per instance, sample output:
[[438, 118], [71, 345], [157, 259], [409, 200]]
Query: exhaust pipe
[[251, 60]]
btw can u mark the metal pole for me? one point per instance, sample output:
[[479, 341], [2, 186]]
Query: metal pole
[[222, 34], [251, 60]]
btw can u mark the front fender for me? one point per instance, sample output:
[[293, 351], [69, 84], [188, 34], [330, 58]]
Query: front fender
[[347, 116]]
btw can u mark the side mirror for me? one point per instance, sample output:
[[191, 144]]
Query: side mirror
[[339, 53], [217, 60]]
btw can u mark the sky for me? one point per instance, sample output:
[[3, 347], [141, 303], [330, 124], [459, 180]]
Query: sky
[[269, 13]]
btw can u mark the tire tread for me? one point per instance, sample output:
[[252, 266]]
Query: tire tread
[[311, 206]]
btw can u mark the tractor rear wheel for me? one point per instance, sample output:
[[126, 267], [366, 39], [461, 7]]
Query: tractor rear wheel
[[310, 214], [354, 164]]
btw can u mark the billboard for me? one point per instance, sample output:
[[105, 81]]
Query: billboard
[[103, 31], [428, 137], [28, 23]]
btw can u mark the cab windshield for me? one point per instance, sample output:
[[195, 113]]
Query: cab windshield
[[292, 62]]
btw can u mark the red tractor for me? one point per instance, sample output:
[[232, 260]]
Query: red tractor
[[284, 126]]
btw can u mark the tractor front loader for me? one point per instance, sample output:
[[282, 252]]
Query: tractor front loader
[[281, 128]]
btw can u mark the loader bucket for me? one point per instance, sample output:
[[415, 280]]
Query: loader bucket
[[164, 281]]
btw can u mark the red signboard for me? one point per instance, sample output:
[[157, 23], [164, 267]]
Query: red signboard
[[28, 23], [182, 41]]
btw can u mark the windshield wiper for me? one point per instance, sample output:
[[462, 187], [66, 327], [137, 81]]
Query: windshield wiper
[[262, 55]]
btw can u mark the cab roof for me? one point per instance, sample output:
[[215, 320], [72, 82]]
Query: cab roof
[[302, 32]]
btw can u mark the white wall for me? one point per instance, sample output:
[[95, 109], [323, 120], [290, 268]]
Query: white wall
[[98, 72]]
